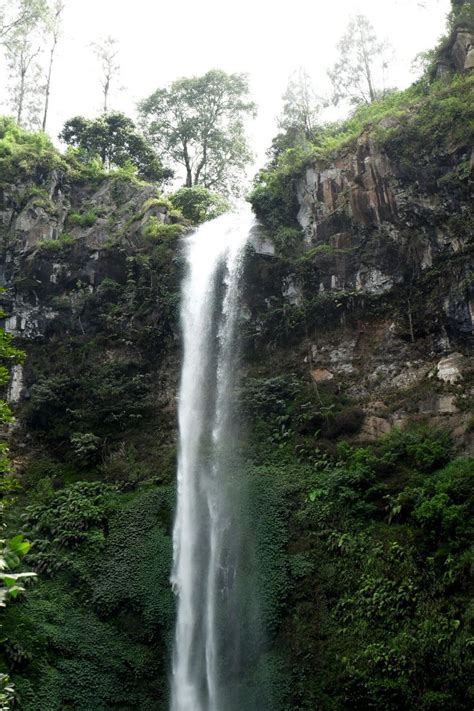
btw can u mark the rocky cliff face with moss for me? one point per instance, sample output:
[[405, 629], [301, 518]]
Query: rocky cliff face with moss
[[356, 403]]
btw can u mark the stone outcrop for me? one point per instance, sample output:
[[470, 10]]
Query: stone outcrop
[[371, 226], [51, 263], [462, 51]]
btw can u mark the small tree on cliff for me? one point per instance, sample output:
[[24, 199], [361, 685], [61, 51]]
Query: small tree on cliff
[[199, 124], [358, 75], [115, 140]]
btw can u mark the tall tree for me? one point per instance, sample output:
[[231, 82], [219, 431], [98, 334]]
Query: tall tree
[[358, 75], [106, 52], [23, 46], [54, 28], [199, 124], [301, 107]]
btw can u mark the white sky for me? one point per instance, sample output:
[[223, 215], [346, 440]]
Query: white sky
[[268, 39]]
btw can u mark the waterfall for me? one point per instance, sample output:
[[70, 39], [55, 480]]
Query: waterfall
[[207, 544]]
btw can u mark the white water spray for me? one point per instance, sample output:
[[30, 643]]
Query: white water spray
[[204, 542]]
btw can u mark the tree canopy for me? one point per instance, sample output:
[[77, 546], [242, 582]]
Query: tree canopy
[[198, 123], [115, 140]]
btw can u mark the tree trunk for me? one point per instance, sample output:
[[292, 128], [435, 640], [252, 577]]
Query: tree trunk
[[56, 28], [106, 92], [48, 83], [187, 163], [21, 97]]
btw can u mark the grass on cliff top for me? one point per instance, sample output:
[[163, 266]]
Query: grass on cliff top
[[438, 104], [422, 119]]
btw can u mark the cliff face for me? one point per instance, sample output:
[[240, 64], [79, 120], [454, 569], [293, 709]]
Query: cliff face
[[69, 251], [355, 326], [382, 285]]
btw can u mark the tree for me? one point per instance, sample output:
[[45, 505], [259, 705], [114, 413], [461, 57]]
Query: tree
[[199, 123], [15, 14], [462, 13], [361, 65], [106, 52], [23, 46], [115, 140], [54, 27], [301, 108]]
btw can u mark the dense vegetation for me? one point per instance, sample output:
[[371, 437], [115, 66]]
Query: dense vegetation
[[424, 118], [366, 561], [364, 549]]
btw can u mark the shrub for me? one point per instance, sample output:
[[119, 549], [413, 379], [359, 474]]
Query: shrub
[[156, 231], [198, 204], [84, 219]]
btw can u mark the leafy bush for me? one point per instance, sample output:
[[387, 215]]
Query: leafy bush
[[155, 231], [25, 156], [198, 204]]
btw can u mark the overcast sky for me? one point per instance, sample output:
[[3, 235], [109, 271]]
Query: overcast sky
[[268, 39]]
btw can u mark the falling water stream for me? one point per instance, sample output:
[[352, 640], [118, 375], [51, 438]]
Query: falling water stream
[[208, 645]]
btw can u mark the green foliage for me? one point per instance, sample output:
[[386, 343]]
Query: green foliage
[[199, 123], [156, 231], [462, 14], [84, 219], [198, 204], [372, 550], [25, 156], [274, 198], [115, 141], [96, 629], [441, 120], [61, 244], [106, 401]]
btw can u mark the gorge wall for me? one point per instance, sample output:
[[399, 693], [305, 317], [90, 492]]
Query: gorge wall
[[356, 394]]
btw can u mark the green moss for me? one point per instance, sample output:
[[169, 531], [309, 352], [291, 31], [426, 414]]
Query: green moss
[[64, 242], [82, 219]]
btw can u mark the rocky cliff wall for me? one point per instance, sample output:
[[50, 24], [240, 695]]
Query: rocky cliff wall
[[378, 296]]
